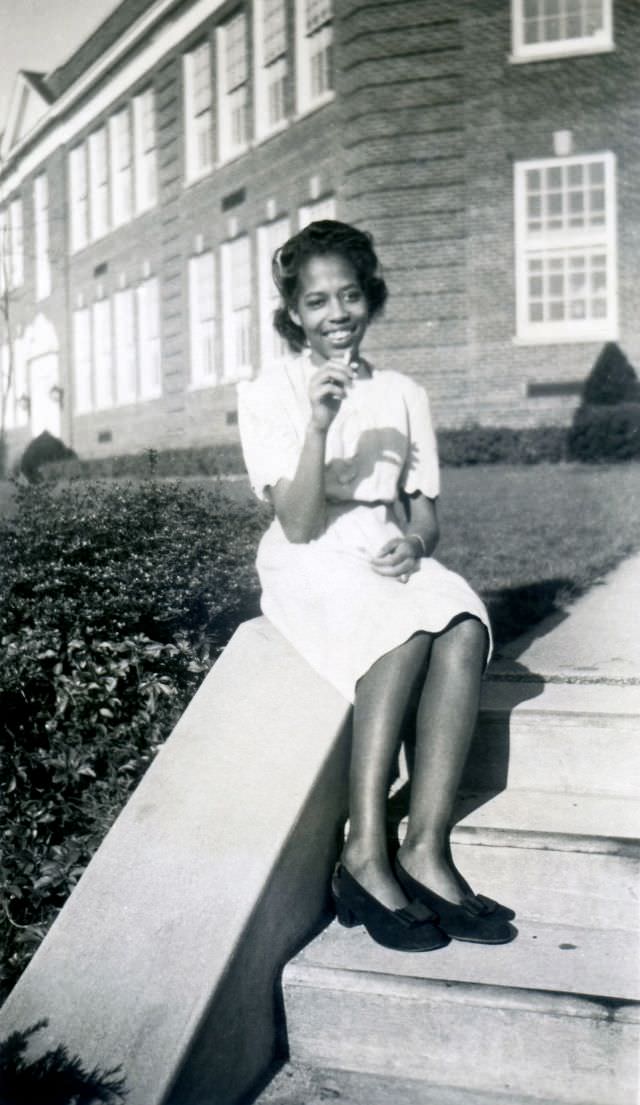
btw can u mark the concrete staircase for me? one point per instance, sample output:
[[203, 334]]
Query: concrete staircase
[[548, 824]]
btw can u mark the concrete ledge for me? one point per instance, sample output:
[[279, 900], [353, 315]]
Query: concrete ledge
[[166, 956]]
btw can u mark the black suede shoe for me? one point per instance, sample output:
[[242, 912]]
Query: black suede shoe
[[472, 920], [410, 929]]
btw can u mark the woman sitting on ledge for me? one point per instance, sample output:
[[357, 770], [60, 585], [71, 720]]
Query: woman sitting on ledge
[[346, 453]]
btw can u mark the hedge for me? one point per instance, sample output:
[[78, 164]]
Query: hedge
[[114, 601]]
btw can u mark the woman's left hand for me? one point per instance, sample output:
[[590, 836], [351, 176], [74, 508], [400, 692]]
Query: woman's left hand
[[397, 558]]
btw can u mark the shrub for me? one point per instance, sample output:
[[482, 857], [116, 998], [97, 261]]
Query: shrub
[[501, 444], [114, 601], [611, 380], [605, 433], [209, 460], [44, 449]]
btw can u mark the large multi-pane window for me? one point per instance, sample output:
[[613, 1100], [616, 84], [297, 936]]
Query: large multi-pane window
[[198, 111], [324, 208], [270, 237], [41, 220], [315, 45], [547, 28], [236, 288], [102, 347], [125, 346], [202, 319], [270, 38], [13, 367], [16, 243], [79, 196], [150, 381], [121, 167], [82, 360], [98, 183], [566, 248], [145, 151], [233, 76]]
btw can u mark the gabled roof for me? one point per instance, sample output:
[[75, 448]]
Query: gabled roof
[[105, 35], [29, 101]]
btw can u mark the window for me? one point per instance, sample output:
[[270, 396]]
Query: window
[[270, 36], [555, 28], [78, 196], [270, 237], [233, 74], [82, 360], [98, 183], [41, 218], [319, 209], [236, 272], [566, 249], [145, 153], [149, 339], [125, 347], [202, 318], [14, 383], [102, 362], [198, 112], [314, 41], [16, 244], [121, 167]]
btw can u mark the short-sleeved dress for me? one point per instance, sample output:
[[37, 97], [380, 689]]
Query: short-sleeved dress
[[323, 595]]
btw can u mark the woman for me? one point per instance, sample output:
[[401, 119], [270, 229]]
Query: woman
[[346, 453]]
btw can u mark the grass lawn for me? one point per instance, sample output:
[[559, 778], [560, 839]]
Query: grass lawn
[[528, 538]]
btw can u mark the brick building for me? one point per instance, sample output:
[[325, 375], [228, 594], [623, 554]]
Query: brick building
[[493, 149]]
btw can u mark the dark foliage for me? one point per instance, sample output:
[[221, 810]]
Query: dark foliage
[[501, 444], [208, 460], [55, 1078], [605, 433], [44, 449], [611, 380], [113, 603]]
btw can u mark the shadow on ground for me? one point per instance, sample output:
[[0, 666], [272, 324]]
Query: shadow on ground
[[517, 610]]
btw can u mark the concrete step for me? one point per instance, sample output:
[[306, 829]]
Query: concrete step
[[554, 1015], [569, 858], [556, 737], [300, 1084]]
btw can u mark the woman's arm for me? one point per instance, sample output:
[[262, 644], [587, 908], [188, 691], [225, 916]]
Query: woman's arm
[[423, 521], [300, 503], [400, 556]]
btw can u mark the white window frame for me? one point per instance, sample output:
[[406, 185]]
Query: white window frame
[[270, 236], [324, 208], [16, 244], [79, 197], [308, 45], [600, 42], [202, 319], [102, 354], [563, 243], [82, 361], [271, 72], [145, 152], [198, 119], [149, 339], [234, 99], [236, 308], [126, 347], [98, 182], [121, 163], [41, 228]]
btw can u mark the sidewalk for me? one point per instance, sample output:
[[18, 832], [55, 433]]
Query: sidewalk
[[596, 639]]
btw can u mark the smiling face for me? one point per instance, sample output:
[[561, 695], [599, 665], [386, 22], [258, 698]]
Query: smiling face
[[331, 308]]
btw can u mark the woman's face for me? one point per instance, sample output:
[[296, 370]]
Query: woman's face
[[331, 308]]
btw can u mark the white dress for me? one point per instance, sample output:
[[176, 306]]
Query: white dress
[[323, 595]]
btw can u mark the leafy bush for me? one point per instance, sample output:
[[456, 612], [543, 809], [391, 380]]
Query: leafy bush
[[113, 602], [501, 444], [611, 380], [209, 460], [605, 433]]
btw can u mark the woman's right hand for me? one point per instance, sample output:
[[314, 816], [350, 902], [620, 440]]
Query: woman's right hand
[[327, 389]]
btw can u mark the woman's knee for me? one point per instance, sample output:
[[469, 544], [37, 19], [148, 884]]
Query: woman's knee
[[465, 638]]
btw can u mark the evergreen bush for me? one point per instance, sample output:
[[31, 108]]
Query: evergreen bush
[[605, 433], [611, 380], [114, 601], [44, 449]]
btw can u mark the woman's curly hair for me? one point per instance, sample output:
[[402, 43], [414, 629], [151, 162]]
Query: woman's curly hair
[[317, 239]]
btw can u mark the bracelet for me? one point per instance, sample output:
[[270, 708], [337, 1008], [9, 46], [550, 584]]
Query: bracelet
[[420, 539]]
